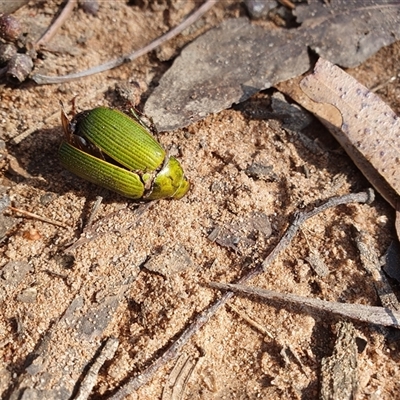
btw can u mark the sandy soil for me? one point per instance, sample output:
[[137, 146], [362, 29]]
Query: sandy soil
[[139, 273]]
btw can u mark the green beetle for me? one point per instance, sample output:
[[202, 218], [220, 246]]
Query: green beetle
[[112, 150]]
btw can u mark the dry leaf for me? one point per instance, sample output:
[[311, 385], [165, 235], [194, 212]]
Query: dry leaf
[[226, 65], [231, 62], [369, 130], [365, 126]]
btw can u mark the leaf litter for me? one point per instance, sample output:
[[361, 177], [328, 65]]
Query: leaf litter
[[231, 62], [366, 127], [105, 290]]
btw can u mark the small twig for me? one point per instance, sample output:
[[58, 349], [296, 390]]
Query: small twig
[[38, 217], [90, 233], [43, 79], [359, 312], [93, 212], [371, 263], [88, 382], [339, 373], [301, 217], [288, 4], [201, 319], [383, 84], [144, 377], [52, 29], [251, 321], [177, 381]]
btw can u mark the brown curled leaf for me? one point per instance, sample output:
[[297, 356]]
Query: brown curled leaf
[[369, 130]]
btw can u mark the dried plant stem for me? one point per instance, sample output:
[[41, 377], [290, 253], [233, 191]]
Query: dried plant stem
[[91, 231], [43, 79], [38, 217], [369, 258], [107, 352], [301, 217], [359, 312], [93, 212], [200, 320], [288, 4], [52, 29]]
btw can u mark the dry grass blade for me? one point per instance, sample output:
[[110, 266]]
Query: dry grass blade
[[44, 80], [52, 30], [38, 217]]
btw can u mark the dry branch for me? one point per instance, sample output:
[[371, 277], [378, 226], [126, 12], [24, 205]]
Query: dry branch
[[141, 379]]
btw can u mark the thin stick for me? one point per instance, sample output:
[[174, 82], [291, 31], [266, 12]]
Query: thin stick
[[288, 4], [44, 80], [52, 29], [91, 232], [93, 212], [38, 217], [137, 381], [370, 261], [107, 353], [359, 312], [301, 217], [246, 318]]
